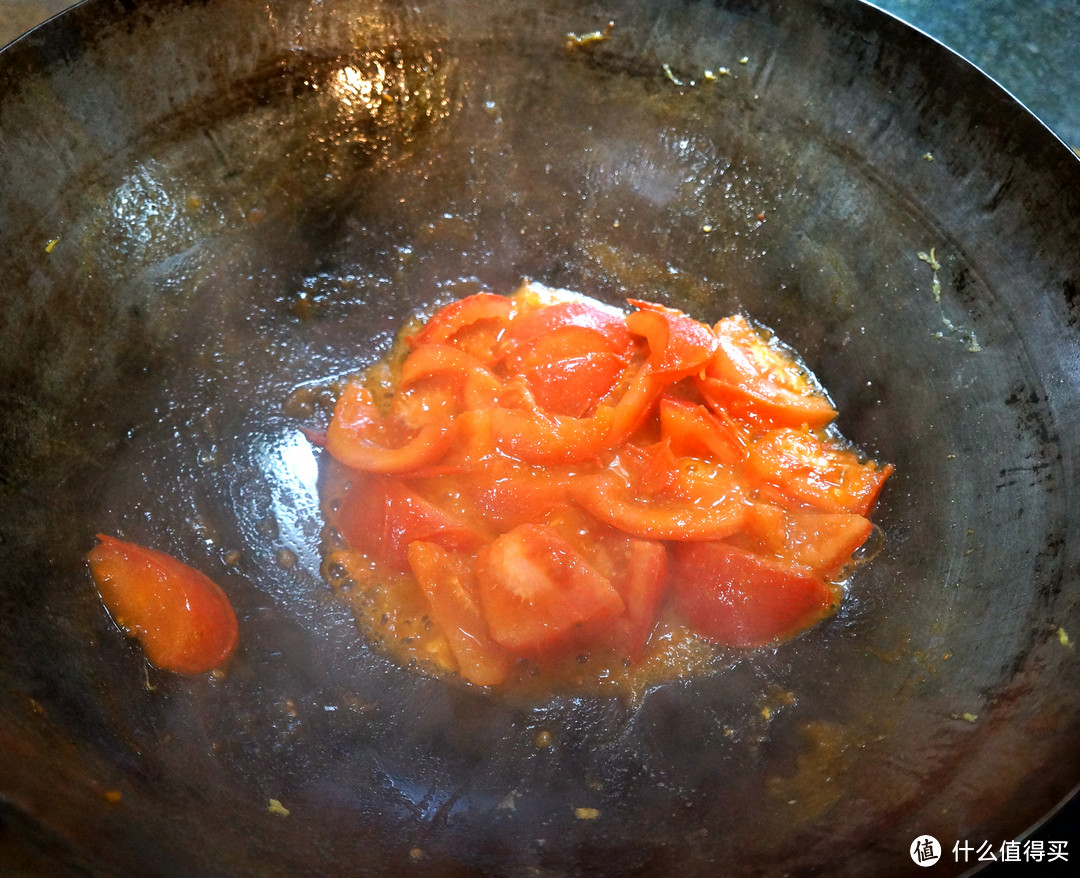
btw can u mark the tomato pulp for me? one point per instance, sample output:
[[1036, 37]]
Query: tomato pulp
[[550, 480]]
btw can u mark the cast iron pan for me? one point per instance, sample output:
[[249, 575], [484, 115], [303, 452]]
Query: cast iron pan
[[206, 205]]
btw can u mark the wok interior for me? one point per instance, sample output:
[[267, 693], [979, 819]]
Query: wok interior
[[208, 206]]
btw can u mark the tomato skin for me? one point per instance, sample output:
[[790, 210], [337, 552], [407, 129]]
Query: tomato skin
[[447, 580], [736, 598], [535, 436], [445, 324], [678, 345], [747, 376], [355, 437], [536, 591], [817, 473], [181, 618]]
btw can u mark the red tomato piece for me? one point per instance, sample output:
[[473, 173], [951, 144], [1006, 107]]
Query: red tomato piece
[[449, 323], [636, 404], [678, 345], [511, 493], [642, 586], [181, 618], [477, 385], [534, 436], [537, 592], [748, 375], [707, 505], [574, 386], [817, 473], [381, 516], [530, 326], [736, 598], [695, 431], [360, 438], [447, 581], [819, 542]]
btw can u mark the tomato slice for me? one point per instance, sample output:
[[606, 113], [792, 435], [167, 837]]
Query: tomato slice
[[181, 618], [819, 542], [709, 503], [737, 598], [574, 386], [477, 386], [536, 591], [642, 586], [380, 516], [678, 345], [447, 581], [360, 438], [816, 472], [472, 324], [510, 493], [535, 436], [748, 375], [695, 431], [528, 327]]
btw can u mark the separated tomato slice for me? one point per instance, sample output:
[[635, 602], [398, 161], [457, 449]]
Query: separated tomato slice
[[678, 345], [747, 375], [380, 516], [181, 618], [447, 581], [737, 598], [536, 592], [817, 473], [360, 438]]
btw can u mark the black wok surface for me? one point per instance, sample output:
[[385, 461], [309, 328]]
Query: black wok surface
[[206, 206]]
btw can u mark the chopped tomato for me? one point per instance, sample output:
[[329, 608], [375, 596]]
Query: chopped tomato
[[695, 431], [568, 370], [360, 438], [815, 472], [511, 493], [678, 345], [381, 516], [736, 598], [820, 542], [536, 591], [447, 580], [535, 436], [709, 503], [181, 618], [642, 586], [473, 323], [476, 384], [747, 374], [534, 324]]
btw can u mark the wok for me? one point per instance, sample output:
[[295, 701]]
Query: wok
[[208, 208]]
